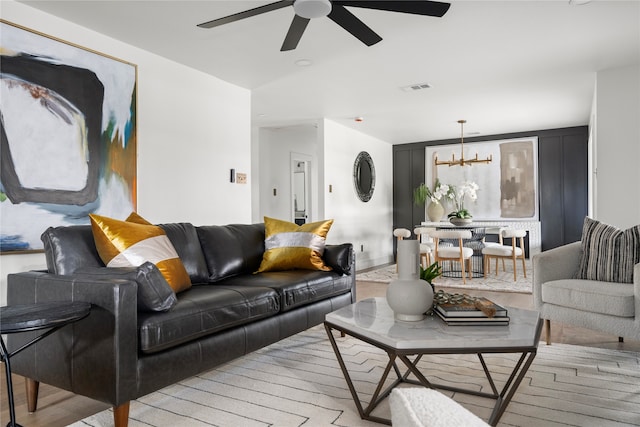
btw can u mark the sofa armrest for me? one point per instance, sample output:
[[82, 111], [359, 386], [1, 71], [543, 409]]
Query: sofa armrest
[[340, 258], [94, 357], [555, 264]]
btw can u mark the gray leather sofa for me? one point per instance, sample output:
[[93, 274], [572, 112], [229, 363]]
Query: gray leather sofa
[[120, 352]]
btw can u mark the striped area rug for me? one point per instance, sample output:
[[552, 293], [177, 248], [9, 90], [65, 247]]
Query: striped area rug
[[297, 382]]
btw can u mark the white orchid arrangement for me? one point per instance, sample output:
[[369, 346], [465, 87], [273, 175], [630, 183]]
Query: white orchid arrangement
[[458, 194]]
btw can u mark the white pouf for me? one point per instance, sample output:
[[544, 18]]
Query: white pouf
[[424, 407]]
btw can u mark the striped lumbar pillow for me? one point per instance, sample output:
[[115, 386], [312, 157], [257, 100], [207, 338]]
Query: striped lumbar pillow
[[608, 253], [128, 244]]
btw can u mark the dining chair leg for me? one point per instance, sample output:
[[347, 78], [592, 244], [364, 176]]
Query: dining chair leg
[[464, 280], [524, 267], [485, 265]]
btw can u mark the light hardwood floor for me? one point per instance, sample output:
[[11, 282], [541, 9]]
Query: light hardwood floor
[[60, 408]]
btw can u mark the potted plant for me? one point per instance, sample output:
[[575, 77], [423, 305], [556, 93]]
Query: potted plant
[[457, 195], [422, 193], [430, 273]]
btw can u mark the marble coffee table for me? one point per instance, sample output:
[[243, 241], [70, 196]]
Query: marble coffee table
[[371, 320]]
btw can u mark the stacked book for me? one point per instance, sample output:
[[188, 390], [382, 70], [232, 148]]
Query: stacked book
[[479, 312]]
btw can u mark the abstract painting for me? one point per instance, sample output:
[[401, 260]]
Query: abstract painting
[[68, 136], [508, 185]]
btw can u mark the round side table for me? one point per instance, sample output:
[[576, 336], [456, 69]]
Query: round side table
[[32, 317]]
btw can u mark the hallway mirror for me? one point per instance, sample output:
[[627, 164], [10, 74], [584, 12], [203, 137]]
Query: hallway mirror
[[364, 176], [300, 190]]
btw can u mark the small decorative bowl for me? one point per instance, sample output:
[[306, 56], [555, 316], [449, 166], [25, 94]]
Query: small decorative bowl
[[460, 221]]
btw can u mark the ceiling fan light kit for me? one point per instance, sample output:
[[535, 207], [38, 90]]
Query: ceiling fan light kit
[[336, 11], [312, 8], [462, 161]]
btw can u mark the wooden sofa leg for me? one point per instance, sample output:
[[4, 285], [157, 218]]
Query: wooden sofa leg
[[121, 415], [547, 330], [620, 339], [31, 389]]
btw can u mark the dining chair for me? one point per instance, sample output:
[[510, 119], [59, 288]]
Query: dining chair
[[460, 253], [494, 231], [401, 233], [427, 244], [503, 252]]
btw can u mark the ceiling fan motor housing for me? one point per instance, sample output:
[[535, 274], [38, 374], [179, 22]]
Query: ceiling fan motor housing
[[312, 8]]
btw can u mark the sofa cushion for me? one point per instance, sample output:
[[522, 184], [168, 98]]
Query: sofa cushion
[[608, 253], [184, 239], [233, 249], [68, 248], [615, 299], [154, 293], [290, 246], [128, 244], [296, 288], [204, 310]]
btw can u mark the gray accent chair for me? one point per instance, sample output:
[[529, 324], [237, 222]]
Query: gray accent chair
[[602, 306]]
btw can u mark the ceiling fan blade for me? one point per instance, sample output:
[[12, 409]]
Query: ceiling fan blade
[[246, 14], [356, 27], [298, 25], [415, 7]]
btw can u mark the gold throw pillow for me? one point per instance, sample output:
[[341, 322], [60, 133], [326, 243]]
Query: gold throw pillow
[[290, 246], [134, 217], [128, 244]]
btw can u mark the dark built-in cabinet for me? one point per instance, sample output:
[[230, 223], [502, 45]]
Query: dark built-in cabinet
[[563, 187]]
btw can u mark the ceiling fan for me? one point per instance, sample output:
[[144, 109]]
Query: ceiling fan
[[335, 9]]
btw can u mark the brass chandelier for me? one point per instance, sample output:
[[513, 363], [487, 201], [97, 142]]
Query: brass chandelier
[[462, 161]]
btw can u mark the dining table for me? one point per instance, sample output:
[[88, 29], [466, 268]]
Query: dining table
[[476, 242]]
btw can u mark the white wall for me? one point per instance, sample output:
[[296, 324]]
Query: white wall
[[192, 128], [333, 149], [275, 147], [368, 224], [616, 147]]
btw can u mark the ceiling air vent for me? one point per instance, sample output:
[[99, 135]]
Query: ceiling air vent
[[417, 86]]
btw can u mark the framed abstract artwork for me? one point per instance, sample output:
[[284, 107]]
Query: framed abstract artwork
[[68, 136], [508, 186]]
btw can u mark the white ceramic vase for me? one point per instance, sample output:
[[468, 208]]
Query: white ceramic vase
[[435, 211], [409, 297]]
